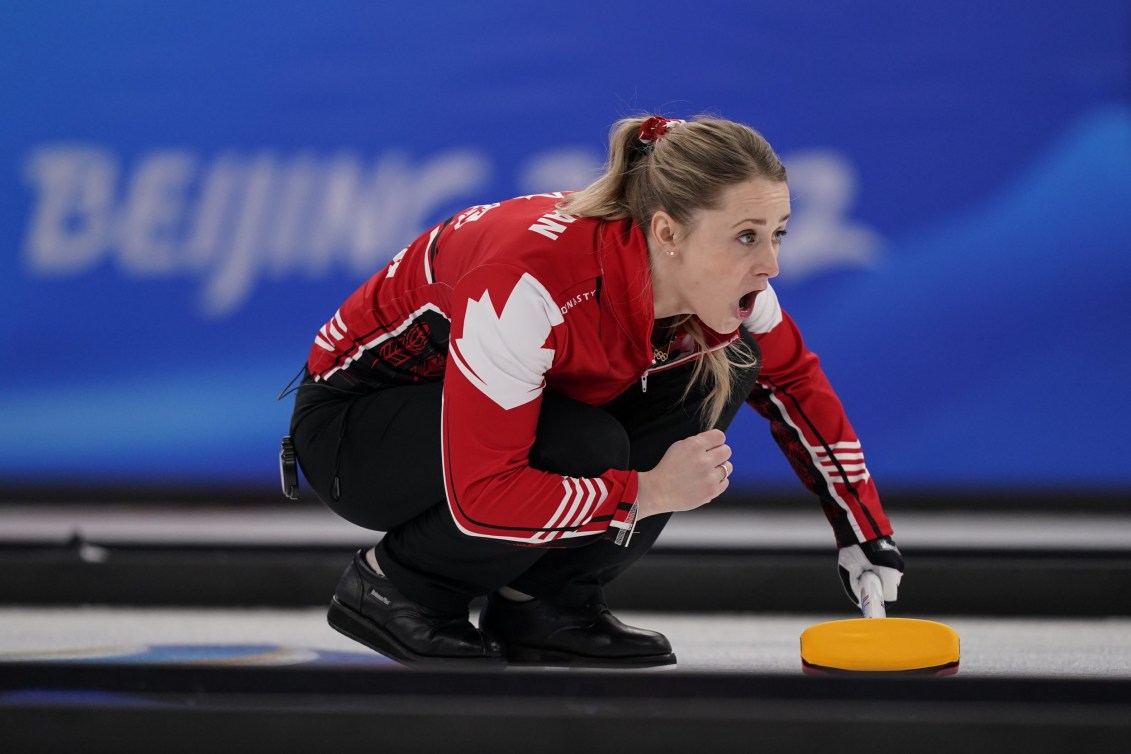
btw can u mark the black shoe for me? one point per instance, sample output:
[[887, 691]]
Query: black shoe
[[369, 609], [539, 633]]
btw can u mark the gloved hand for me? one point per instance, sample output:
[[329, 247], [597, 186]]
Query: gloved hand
[[878, 555]]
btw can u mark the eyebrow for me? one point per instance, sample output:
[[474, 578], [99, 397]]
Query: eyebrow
[[757, 221]]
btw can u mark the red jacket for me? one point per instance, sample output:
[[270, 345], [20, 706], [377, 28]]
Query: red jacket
[[504, 300]]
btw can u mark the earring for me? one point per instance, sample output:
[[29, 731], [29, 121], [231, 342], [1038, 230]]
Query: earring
[[671, 253]]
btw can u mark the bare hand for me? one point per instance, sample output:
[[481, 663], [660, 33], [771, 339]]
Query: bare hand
[[692, 472]]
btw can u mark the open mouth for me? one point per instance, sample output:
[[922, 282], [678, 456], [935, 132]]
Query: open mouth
[[746, 305]]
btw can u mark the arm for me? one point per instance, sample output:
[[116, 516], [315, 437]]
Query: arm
[[504, 335], [808, 422]]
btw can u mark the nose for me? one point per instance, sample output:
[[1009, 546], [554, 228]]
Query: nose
[[766, 261]]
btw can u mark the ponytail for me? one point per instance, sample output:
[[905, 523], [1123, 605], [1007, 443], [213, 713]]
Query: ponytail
[[605, 197]]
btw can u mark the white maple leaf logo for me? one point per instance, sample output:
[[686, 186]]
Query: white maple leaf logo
[[502, 355]]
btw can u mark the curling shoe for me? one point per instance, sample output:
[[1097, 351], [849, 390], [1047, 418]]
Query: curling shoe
[[368, 608], [540, 633]]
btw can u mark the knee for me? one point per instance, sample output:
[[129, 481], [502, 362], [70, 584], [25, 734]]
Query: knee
[[603, 447], [576, 439]]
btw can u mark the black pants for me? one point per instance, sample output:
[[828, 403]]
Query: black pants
[[374, 459]]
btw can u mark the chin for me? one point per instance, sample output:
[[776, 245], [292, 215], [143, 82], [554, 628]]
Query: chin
[[722, 325]]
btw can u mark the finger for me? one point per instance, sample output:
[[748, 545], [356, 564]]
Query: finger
[[718, 455], [712, 438], [724, 470]]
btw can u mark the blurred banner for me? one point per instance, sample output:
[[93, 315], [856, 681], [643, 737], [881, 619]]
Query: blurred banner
[[189, 189]]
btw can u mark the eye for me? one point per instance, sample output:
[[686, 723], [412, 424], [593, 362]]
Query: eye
[[748, 237], [779, 235]]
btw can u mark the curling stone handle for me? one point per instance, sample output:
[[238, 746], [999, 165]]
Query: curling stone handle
[[872, 595]]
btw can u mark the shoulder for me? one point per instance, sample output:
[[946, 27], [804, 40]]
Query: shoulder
[[530, 234], [530, 218]]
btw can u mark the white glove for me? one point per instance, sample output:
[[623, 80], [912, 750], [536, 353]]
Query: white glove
[[880, 556]]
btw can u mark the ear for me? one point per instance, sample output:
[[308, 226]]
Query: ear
[[664, 230]]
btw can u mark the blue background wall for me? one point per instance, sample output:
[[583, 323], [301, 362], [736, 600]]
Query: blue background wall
[[187, 191]]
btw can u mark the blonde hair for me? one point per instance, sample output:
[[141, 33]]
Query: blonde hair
[[682, 172]]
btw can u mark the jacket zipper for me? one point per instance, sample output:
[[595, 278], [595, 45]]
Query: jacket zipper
[[668, 364], [662, 367]]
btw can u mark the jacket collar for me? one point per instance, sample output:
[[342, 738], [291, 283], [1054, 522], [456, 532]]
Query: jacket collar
[[622, 253]]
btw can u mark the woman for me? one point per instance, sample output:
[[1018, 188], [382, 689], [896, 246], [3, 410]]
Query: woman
[[523, 396]]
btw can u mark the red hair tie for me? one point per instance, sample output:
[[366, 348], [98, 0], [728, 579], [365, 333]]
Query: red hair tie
[[655, 127]]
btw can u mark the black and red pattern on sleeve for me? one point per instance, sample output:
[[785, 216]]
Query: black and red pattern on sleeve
[[809, 424]]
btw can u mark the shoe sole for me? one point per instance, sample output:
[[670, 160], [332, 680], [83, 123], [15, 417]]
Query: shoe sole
[[519, 655], [356, 626]]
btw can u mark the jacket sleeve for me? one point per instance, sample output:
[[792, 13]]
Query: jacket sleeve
[[809, 424], [505, 331]]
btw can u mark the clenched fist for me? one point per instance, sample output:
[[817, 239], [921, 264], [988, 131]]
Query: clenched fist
[[692, 472]]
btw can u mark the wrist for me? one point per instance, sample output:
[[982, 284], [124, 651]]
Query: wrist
[[646, 503]]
